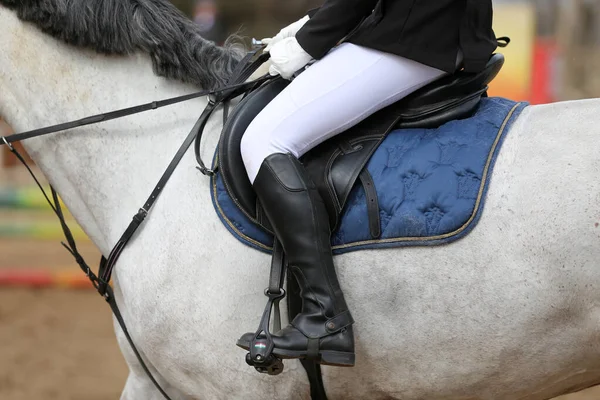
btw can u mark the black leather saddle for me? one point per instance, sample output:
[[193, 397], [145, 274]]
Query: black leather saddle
[[338, 163]]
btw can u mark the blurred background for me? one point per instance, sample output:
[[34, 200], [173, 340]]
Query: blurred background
[[554, 54], [56, 334]]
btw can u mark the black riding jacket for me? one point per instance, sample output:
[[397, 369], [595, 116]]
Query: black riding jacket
[[428, 31]]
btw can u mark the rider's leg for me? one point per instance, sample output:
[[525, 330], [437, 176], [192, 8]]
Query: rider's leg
[[335, 93]]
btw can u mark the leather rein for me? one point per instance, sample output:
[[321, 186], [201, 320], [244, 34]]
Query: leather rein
[[237, 86]]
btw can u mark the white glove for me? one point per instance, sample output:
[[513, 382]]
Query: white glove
[[287, 57], [288, 31]]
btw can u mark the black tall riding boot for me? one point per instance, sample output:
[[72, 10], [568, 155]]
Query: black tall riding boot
[[323, 329]]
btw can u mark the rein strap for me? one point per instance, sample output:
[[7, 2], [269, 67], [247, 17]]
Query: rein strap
[[222, 93]]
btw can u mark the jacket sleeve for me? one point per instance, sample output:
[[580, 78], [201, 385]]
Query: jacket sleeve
[[312, 12], [330, 23]]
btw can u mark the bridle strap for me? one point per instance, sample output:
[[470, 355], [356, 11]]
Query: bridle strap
[[243, 72], [247, 66]]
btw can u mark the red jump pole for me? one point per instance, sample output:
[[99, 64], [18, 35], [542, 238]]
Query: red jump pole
[[39, 278]]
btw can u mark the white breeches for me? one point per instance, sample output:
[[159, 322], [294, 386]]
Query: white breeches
[[335, 93]]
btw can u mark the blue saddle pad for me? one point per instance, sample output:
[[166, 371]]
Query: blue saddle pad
[[431, 185]]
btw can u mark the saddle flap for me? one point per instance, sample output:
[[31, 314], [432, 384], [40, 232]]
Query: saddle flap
[[230, 158]]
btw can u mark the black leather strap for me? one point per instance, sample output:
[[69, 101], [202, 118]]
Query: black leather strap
[[339, 322], [111, 115], [315, 379], [372, 203], [262, 345], [262, 219], [312, 351], [107, 265], [276, 279], [312, 368], [503, 41], [110, 299], [244, 70], [57, 209], [216, 99]]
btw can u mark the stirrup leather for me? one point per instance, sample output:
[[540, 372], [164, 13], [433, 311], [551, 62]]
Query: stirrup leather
[[261, 355]]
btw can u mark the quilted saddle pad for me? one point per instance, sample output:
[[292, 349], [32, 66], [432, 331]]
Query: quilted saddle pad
[[431, 185]]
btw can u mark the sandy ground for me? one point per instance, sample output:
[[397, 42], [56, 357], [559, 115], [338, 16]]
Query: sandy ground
[[55, 343]]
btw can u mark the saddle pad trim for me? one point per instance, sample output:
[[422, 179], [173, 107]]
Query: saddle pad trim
[[400, 241]]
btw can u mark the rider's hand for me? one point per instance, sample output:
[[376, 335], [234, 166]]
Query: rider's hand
[[287, 32], [287, 57]]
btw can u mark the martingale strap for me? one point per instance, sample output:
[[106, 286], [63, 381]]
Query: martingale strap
[[107, 264], [241, 73], [248, 65]]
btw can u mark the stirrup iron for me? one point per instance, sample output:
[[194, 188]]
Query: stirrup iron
[[261, 355]]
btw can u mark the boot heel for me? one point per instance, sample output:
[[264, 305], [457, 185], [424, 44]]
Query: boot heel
[[337, 358]]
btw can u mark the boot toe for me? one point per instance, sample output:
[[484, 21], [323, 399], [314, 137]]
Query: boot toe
[[290, 341]]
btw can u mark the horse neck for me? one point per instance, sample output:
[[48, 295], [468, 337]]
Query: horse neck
[[103, 172]]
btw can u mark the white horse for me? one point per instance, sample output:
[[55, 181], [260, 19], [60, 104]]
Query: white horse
[[512, 311]]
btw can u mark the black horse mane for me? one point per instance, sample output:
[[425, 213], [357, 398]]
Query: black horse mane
[[122, 27]]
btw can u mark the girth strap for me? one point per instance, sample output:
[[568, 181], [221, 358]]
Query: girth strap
[[370, 192], [312, 368], [372, 203]]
